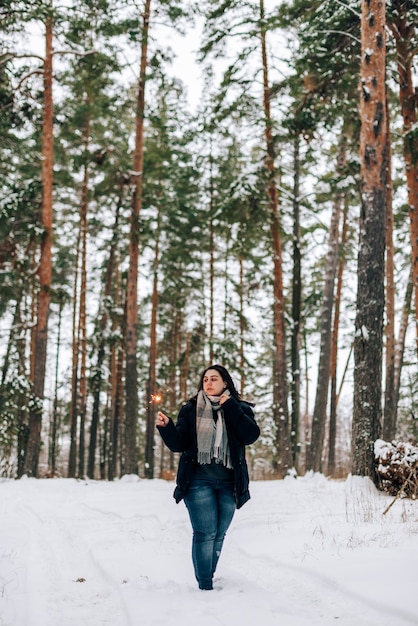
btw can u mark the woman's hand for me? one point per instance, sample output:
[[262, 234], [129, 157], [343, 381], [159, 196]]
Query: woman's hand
[[162, 420], [224, 397]]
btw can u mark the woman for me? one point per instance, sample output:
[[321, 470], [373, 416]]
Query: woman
[[212, 431]]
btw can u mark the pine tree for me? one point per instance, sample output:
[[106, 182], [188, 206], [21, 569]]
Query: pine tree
[[314, 460], [390, 404], [402, 21], [131, 384], [334, 392], [370, 290], [45, 262]]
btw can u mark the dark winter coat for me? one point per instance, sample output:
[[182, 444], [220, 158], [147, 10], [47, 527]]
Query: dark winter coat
[[242, 430]]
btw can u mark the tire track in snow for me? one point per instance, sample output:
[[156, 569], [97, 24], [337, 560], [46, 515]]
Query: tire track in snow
[[90, 597], [303, 587]]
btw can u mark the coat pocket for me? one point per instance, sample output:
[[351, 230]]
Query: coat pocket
[[184, 475]]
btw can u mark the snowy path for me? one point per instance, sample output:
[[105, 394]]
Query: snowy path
[[302, 552]]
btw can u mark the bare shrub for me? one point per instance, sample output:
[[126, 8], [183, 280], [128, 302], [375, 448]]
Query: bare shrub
[[397, 467]]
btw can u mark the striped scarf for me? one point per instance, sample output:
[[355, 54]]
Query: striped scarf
[[212, 439]]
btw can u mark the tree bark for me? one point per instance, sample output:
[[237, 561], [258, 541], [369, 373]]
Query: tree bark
[[72, 460], [321, 398], [211, 259], [400, 343], [334, 349], [54, 426], [23, 413], [98, 376], [283, 453], [404, 32], [83, 297], [368, 341], [296, 304], [390, 406], [242, 326], [116, 392], [45, 263], [16, 339], [152, 401], [131, 384]]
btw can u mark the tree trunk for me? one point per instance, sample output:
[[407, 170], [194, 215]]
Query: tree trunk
[[55, 418], [173, 359], [45, 263], [115, 411], [334, 349], [152, 400], [283, 452], [404, 33], [242, 326], [296, 305], [321, 399], [131, 384], [83, 297], [22, 415], [390, 408], [211, 260], [400, 343], [227, 287], [6, 362], [98, 376], [185, 377], [72, 461], [367, 409], [16, 338], [116, 401]]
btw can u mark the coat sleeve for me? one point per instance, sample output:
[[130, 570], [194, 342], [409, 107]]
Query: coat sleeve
[[239, 417], [178, 437]]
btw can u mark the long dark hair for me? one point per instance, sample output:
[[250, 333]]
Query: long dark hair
[[226, 377]]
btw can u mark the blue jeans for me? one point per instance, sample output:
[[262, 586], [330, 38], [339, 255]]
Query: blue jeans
[[211, 507]]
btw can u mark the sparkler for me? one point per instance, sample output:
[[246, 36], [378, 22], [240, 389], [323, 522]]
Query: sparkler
[[158, 397]]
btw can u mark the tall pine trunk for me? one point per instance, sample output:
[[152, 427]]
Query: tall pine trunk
[[83, 299], [368, 341], [283, 452], [98, 375], [242, 326], [22, 415], [72, 460], [174, 349], [116, 390], [400, 343], [16, 340], [54, 425], [16, 323], [45, 263], [390, 406], [152, 402], [211, 258], [404, 32], [131, 384], [296, 304], [332, 440], [319, 419]]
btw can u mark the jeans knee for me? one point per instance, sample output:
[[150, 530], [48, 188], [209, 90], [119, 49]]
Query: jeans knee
[[220, 537], [203, 536]]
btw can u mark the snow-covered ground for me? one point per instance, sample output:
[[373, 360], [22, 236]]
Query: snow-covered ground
[[302, 552]]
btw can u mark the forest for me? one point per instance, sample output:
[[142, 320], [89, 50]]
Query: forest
[[270, 225]]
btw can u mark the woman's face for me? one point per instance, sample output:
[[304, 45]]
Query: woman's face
[[213, 384]]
